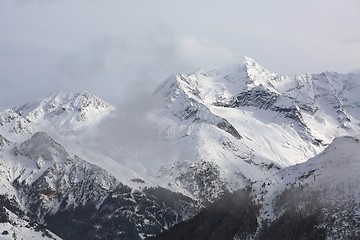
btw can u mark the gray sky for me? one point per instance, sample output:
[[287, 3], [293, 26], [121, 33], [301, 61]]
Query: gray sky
[[119, 49]]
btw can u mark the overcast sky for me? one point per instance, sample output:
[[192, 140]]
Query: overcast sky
[[117, 49]]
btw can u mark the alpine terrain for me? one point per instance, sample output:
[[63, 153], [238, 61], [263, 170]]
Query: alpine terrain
[[234, 152]]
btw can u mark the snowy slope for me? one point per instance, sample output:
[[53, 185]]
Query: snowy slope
[[16, 228], [330, 182], [5, 170]]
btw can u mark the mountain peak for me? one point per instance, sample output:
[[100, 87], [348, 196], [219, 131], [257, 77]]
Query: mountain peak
[[63, 107], [248, 61], [62, 112], [41, 146], [340, 153], [78, 101]]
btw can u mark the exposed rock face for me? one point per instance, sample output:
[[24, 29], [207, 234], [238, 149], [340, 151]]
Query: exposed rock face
[[4, 142]]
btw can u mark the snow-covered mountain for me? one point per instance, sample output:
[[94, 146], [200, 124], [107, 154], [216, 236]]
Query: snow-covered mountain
[[48, 186], [326, 187], [59, 111], [247, 122], [43, 184], [79, 166], [318, 199]]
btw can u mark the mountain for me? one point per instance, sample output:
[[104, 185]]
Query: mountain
[[325, 188], [59, 110], [82, 169], [242, 123], [318, 199], [78, 200]]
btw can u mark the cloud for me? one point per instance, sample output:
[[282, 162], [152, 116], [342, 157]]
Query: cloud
[[118, 50], [351, 40], [117, 68], [120, 69], [87, 65], [202, 54]]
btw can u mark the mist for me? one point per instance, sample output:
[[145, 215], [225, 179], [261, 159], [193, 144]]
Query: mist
[[119, 51]]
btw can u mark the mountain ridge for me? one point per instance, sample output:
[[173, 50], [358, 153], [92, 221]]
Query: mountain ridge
[[197, 138], [317, 199]]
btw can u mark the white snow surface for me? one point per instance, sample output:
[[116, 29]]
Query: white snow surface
[[19, 228]]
